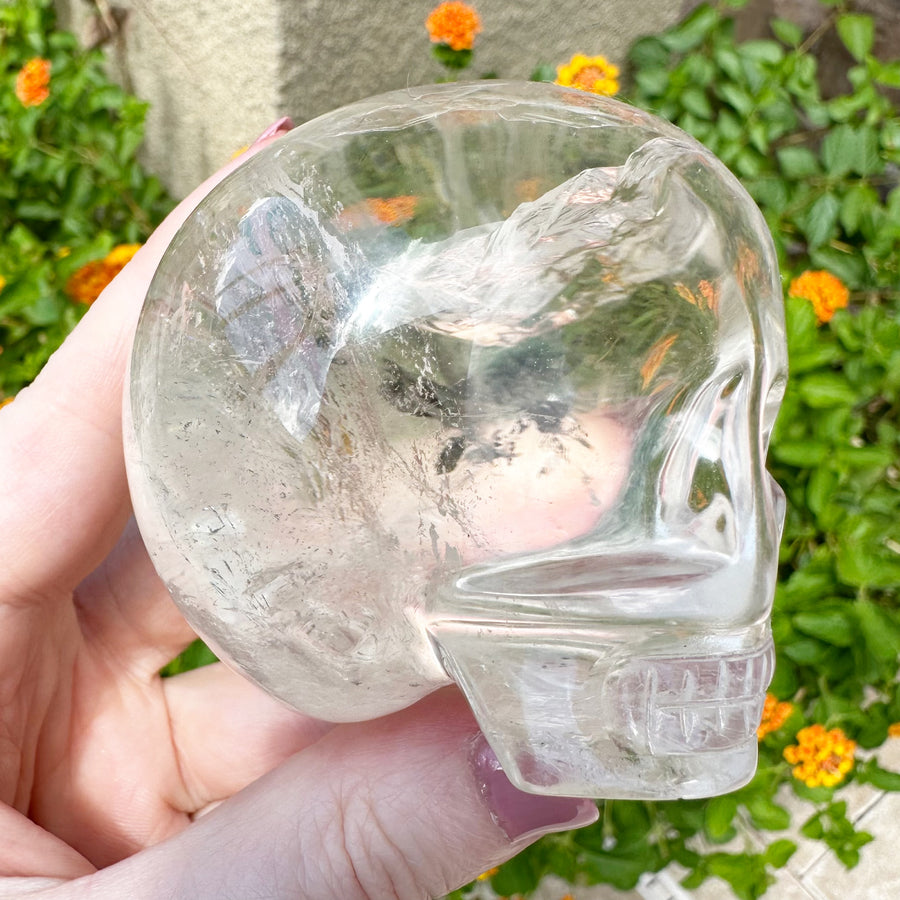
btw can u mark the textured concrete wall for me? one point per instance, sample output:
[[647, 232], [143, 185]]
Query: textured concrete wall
[[217, 72]]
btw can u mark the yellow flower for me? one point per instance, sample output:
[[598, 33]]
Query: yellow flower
[[2, 282], [33, 82], [88, 282], [821, 758], [118, 256], [453, 23], [826, 292], [775, 713], [489, 874], [894, 729], [595, 74], [6, 401]]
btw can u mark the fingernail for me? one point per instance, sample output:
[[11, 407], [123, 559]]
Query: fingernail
[[522, 816], [284, 124]]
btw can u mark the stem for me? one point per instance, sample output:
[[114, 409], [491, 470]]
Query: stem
[[820, 30]]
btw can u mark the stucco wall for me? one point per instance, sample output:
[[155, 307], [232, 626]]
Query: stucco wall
[[217, 72]]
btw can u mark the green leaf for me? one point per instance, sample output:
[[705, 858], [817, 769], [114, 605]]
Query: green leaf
[[822, 390], [544, 72], [850, 267], [653, 82], [621, 870], [863, 560], [761, 51], [738, 98], [798, 162], [691, 32], [648, 53], [858, 200], [517, 876], [696, 102], [719, 818], [858, 34], [787, 32], [452, 59], [37, 210], [820, 220], [813, 828], [879, 630], [851, 148], [887, 74], [820, 357], [834, 626], [779, 852], [870, 772], [806, 652], [803, 454], [766, 814], [195, 656]]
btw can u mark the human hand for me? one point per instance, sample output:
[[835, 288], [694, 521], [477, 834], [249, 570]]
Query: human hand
[[115, 782]]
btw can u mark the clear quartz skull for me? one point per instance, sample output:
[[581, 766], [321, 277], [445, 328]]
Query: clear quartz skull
[[475, 382]]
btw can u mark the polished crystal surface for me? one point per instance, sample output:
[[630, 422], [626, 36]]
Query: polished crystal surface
[[474, 382]]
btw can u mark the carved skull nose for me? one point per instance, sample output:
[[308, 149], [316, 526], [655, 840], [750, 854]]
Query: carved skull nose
[[475, 383]]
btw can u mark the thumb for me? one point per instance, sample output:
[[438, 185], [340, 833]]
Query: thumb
[[410, 806]]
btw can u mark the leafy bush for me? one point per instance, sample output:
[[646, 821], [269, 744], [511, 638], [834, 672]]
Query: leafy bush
[[824, 171], [70, 187]]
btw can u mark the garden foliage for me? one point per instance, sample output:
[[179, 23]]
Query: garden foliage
[[824, 171], [70, 186]]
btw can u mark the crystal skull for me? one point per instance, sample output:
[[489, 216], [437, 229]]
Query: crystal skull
[[475, 383]]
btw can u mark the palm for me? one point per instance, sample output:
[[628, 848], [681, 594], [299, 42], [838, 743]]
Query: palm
[[106, 736], [119, 758]]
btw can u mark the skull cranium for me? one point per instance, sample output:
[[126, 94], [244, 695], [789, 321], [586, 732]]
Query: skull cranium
[[475, 382]]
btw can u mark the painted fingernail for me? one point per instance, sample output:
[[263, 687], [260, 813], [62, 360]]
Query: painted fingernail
[[522, 816], [283, 125]]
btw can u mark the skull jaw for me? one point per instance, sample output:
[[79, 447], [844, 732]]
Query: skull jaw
[[614, 712]]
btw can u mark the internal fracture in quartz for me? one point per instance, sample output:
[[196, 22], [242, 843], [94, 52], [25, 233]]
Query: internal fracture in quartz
[[513, 438]]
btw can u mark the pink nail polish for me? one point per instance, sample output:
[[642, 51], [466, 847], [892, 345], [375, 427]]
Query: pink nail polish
[[521, 816], [283, 125]]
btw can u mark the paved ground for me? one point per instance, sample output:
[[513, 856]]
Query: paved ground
[[813, 873]]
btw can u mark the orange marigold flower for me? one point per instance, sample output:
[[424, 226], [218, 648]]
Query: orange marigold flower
[[894, 729], [595, 74], [775, 713], [33, 82], [826, 292], [821, 758], [88, 282], [453, 23]]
